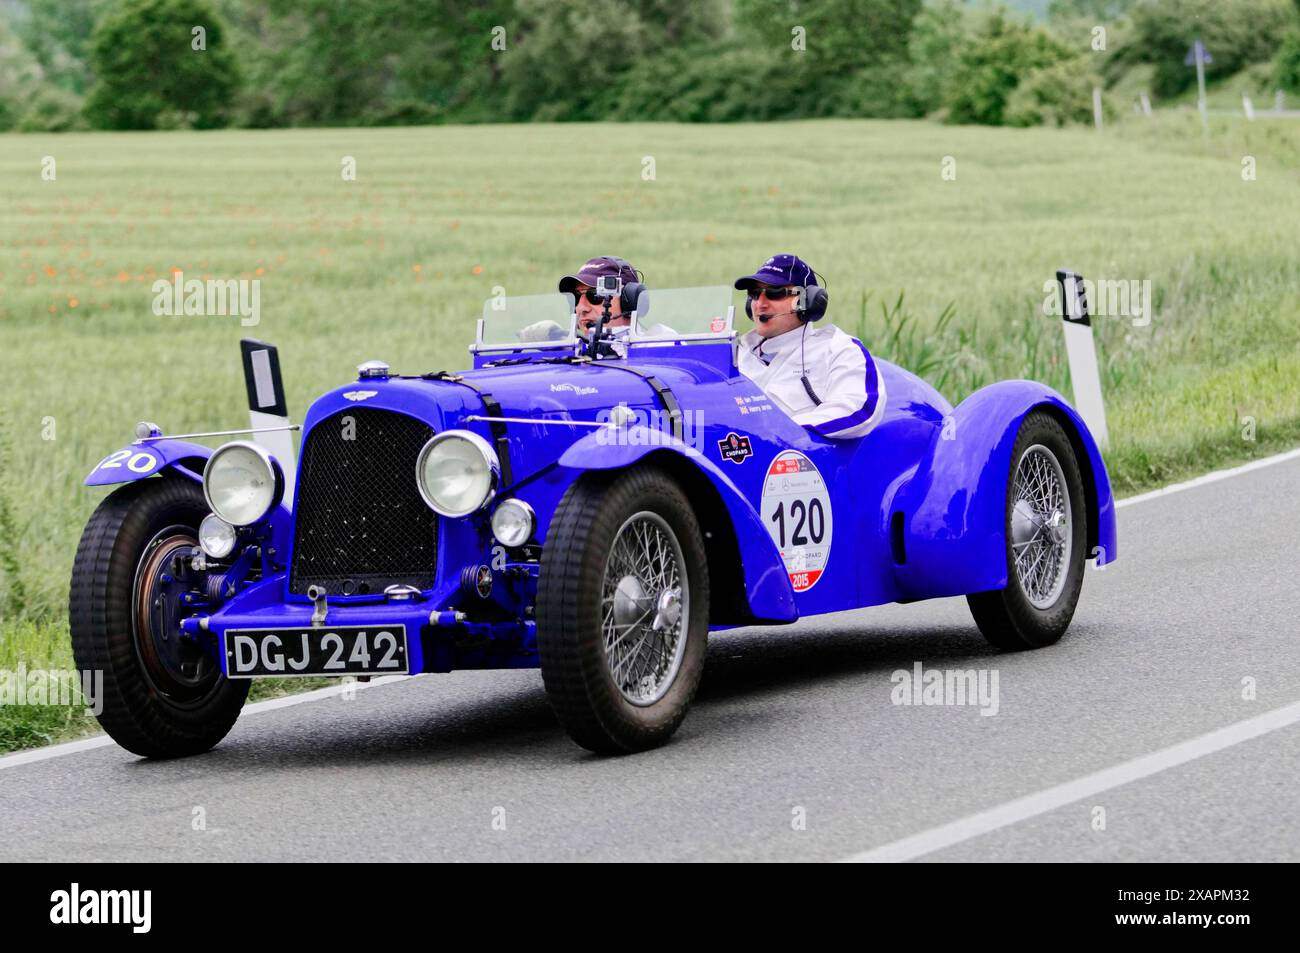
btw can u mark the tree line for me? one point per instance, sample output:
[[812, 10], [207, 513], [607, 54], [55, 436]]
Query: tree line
[[150, 64]]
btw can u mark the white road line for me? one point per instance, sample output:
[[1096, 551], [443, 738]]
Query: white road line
[[100, 741], [1214, 477], [87, 744], [1012, 812]]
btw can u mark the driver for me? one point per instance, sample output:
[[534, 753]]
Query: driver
[[823, 378], [589, 306]]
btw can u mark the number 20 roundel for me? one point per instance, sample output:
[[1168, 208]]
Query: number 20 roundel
[[796, 509]]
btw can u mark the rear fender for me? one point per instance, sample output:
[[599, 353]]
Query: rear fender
[[953, 509]]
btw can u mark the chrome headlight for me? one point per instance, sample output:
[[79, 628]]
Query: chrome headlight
[[457, 473], [216, 536], [512, 523], [242, 483]]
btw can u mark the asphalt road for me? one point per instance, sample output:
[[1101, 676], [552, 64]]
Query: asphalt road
[[794, 749]]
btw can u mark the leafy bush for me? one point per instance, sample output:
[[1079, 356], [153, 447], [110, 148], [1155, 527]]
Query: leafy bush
[[52, 110], [1286, 67], [938, 33], [1056, 95], [569, 56], [714, 84], [147, 74], [992, 65], [20, 75], [1235, 34]]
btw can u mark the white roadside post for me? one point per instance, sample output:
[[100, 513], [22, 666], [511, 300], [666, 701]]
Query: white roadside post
[[1146, 105], [267, 408], [1082, 354], [1199, 55], [1096, 106], [1248, 106]]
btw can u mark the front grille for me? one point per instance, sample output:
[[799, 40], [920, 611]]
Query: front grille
[[361, 524]]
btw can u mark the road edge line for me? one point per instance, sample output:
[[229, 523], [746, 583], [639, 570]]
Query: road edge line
[[31, 755], [1049, 799], [1212, 477]]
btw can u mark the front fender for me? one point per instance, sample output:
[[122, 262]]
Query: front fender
[[139, 460], [954, 507], [766, 582]]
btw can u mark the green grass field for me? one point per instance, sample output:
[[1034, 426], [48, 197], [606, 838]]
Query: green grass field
[[396, 263]]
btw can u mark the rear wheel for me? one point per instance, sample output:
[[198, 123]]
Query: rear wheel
[[163, 694], [622, 610], [1046, 541]]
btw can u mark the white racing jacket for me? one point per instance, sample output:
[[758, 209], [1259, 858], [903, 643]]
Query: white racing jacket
[[839, 369]]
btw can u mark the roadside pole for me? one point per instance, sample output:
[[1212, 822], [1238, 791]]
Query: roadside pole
[[1199, 56], [267, 407], [1081, 351]]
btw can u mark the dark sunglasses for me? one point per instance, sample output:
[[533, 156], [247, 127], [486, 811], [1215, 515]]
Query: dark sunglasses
[[592, 296], [773, 294]]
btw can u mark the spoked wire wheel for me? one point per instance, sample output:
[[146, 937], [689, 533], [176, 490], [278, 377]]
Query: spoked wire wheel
[[1040, 526], [645, 598], [623, 609], [1046, 536]]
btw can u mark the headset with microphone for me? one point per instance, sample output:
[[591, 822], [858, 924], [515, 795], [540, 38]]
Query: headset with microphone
[[810, 305]]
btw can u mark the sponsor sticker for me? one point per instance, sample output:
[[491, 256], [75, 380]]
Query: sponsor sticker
[[796, 509], [735, 448]]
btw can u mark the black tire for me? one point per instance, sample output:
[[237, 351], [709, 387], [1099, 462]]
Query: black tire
[[1007, 617], [147, 709], [570, 637]]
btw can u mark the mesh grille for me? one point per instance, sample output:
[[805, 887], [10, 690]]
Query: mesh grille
[[361, 524]]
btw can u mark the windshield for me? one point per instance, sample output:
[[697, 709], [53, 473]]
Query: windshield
[[547, 320], [677, 313], [527, 319]]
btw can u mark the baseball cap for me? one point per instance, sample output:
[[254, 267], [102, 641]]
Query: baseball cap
[[780, 270], [603, 266]]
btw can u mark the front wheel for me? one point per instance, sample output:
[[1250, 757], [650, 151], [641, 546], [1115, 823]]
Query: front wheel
[[623, 610], [163, 694], [1046, 541]]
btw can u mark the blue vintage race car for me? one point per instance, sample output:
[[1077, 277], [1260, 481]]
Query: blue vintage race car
[[591, 503]]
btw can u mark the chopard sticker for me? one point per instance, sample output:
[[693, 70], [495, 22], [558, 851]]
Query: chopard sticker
[[796, 509], [717, 325], [735, 448], [360, 394]]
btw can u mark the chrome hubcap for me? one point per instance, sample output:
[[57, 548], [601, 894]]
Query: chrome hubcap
[[1041, 537], [645, 604]]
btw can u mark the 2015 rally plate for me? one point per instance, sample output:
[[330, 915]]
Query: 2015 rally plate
[[329, 650]]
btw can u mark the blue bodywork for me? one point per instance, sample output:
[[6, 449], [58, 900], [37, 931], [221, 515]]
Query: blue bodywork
[[917, 507]]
